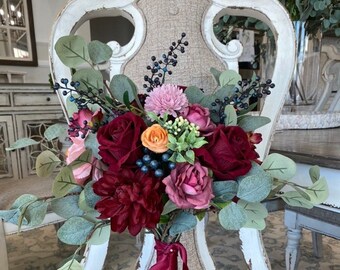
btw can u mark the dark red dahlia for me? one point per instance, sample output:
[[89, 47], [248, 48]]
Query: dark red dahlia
[[130, 198]]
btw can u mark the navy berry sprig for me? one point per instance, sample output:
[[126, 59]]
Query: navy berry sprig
[[159, 68], [245, 90]]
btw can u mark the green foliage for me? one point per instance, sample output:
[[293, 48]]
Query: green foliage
[[229, 77], [99, 52], [232, 217], [279, 166], [183, 222], [67, 206], [230, 116], [256, 214], [55, 130], [255, 185], [251, 123], [90, 197], [84, 158], [224, 190], [194, 95], [314, 173], [75, 231], [121, 84], [89, 79], [91, 143], [63, 182], [294, 198], [318, 192], [21, 143], [72, 51], [46, 163], [169, 207], [71, 265], [100, 235]]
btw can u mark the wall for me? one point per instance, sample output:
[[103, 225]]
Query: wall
[[44, 13]]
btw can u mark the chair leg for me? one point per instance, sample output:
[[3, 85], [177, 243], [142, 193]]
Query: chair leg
[[317, 244], [3, 249], [293, 248]]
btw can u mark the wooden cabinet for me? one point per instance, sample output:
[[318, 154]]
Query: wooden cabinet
[[25, 111]]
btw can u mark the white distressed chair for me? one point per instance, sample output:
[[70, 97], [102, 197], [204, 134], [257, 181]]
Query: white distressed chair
[[271, 12]]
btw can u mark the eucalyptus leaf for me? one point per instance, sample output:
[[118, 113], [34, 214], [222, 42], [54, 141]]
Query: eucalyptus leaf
[[255, 185], [72, 265], [100, 236], [90, 197], [72, 50], [229, 77], [67, 206], [10, 216], [183, 222], [35, 213], [216, 73], [55, 130], [71, 106], [75, 231], [92, 143], [82, 203], [194, 94], [169, 207], [63, 182], [99, 52], [88, 78], [251, 123], [190, 156], [46, 163], [253, 210], [314, 173], [224, 190], [21, 143], [120, 84], [318, 192], [258, 224], [294, 198], [279, 166], [230, 116], [84, 158], [232, 217]]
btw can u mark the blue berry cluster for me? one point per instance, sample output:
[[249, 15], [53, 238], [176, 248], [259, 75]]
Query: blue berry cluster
[[244, 91], [158, 163], [159, 68], [80, 97]]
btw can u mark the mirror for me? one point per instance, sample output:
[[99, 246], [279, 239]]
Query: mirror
[[17, 40]]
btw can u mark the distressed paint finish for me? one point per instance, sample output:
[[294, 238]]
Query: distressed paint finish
[[271, 12]]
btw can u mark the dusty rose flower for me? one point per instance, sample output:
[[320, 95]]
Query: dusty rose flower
[[189, 186], [82, 173], [167, 98], [98, 168], [84, 119], [200, 116]]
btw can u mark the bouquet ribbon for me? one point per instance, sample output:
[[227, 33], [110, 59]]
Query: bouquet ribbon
[[167, 254]]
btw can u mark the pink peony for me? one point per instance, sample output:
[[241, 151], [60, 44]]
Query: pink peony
[[82, 173], [200, 116], [168, 99], [189, 186]]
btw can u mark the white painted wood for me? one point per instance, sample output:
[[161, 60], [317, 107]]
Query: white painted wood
[[329, 78], [276, 17], [78, 11], [295, 221]]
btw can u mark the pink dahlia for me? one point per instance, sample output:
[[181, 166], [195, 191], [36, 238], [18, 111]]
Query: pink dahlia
[[167, 98]]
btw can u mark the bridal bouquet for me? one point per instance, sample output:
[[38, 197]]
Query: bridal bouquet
[[158, 161]]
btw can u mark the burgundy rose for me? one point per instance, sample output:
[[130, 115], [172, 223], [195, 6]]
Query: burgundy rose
[[228, 152], [189, 186], [131, 199], [200, 116], [119, 140]]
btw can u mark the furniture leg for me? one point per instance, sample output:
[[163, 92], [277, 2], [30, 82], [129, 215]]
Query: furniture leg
[[293, 248], [317, 244]]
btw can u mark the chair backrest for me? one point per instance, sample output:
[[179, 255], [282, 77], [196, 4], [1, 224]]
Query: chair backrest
[[269, 11]]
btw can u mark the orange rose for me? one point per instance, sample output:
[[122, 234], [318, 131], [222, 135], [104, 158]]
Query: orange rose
[[155, 138]]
